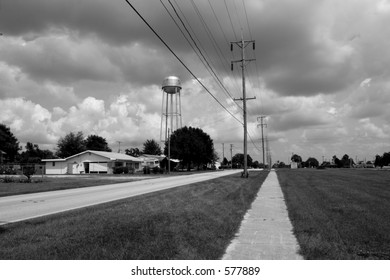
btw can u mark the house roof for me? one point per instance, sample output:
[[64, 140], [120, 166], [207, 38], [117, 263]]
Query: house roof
[[109, 155]]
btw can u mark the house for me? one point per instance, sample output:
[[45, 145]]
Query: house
[[89, 162], [151, 160]]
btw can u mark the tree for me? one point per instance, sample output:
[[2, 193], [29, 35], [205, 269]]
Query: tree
[[386, 159], [256, 164], [238, 160], [191, 146], [97, 143], [337, 162], [225, 161], [134, 152], [33, 154], [312, 162], [70, 145], [378, 161], [151, 147], [8, 143], [296, 158]]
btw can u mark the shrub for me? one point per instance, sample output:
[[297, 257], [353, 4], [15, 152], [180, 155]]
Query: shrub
[[8, 179], [28, 171], [146, 170], [121, 170], [157, 169]]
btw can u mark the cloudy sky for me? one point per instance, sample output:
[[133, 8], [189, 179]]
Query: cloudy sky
[[321, 74]]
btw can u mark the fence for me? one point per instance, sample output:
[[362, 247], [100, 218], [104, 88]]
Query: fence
[[20, 169]]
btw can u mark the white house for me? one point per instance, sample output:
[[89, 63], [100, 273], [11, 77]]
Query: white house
[[89, 162], [151, 160]]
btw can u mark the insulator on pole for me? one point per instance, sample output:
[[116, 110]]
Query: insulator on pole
[[231, 47], [253, 45]]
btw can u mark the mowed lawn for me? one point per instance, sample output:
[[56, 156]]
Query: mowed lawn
[[339, 213], [47, 183], [196, 221]]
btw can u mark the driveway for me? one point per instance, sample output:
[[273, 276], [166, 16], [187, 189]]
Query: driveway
[[22, 207]]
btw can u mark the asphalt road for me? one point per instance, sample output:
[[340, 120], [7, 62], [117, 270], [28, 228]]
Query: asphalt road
[[22, 207]]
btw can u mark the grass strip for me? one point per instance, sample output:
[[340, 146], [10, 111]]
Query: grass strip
[[196, 221], [53, 184], [339, 213]]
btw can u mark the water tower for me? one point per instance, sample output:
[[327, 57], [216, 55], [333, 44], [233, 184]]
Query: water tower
[[171, 107]]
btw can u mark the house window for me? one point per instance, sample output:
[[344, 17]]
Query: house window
[[54, 164], [136, 165]]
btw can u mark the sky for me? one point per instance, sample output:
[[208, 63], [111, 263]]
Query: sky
[[319, 72]]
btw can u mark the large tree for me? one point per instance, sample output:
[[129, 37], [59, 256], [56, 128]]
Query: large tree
[[97, 143], [151, 147], [8, 143], [33, 154], [70, 145], [296, 158], [238, 160], [312, 162], [134, 152], [191, 146]]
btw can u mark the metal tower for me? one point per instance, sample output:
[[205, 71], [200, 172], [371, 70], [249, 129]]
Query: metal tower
[[171, 107]]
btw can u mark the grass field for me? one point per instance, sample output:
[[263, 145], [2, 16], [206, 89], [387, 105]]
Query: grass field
[[339, 213], [48, 183], [196, 221]]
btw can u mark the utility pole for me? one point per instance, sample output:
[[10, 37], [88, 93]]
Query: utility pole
[[223, 152], [119, 150], [231, 155], [269, 156], [262, 124], [169, 152], [243, 44]]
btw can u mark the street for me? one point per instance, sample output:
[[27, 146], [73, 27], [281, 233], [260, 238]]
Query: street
[[22, 207]]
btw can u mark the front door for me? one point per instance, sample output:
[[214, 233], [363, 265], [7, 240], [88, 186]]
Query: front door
[[86, 167]]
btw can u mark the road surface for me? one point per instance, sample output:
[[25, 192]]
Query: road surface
[[22, 207]]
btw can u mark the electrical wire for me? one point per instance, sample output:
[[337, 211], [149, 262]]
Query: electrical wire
[[184, 65], [200, 51]]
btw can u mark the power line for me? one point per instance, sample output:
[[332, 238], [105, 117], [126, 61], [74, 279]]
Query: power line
[[231, 22], [227, 41], [184, 65], [196, 45]]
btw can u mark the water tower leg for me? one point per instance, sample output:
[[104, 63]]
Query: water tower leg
[[162, 117]]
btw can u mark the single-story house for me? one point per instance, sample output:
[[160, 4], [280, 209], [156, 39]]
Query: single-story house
[[151, 160], [89, 162]]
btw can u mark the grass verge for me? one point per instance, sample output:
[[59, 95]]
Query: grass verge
[[196, 221], [339, 213], [54, 183]]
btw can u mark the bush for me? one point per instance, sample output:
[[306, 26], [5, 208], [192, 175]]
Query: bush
[[157, 170], [121, 170], [28, 171], [8, 179], [146, 170]]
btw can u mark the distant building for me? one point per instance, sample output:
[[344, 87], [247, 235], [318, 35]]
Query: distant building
[[151, 160], [89, 162]]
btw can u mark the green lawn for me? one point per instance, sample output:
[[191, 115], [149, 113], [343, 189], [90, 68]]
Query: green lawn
[[43, 184], [196, 221], [339, 213]]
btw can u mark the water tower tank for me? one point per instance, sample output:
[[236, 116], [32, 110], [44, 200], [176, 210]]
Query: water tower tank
[[171, 85]]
